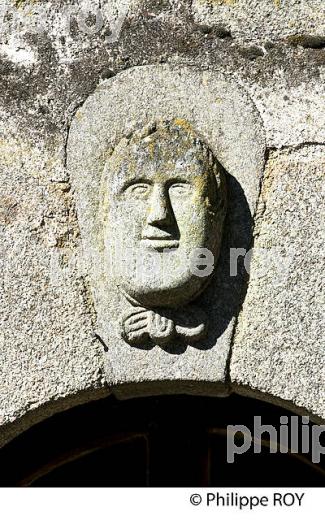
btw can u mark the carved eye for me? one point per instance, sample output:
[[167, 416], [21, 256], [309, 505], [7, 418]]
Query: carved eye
[[139, 191], [180, 189]]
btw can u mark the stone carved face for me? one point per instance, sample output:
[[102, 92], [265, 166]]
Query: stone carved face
[[164, 199]]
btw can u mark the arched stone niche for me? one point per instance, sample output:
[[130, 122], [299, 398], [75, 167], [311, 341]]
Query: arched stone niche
[[214, 113], [50, 359]]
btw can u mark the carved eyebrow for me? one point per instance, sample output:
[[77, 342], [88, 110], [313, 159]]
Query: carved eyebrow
[[178, 180], [135, 180]]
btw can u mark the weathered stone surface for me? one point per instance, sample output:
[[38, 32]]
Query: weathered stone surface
[[48, 351], [274, 35], [279, 344], [198, 102], [265, 21], [53, 55], [63, 51]]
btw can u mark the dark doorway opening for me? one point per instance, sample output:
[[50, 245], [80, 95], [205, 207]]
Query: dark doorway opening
[[165, 441]]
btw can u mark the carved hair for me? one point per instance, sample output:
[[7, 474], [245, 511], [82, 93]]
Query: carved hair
[[183, 133]]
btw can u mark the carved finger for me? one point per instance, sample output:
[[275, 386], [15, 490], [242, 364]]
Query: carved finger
[[169, 327], [162, 329], [135, 311], [138, 317], [139, 325], [134, 338], [157, 320], [163, 324]]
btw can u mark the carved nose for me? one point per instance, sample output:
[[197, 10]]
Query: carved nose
[[161, 213]]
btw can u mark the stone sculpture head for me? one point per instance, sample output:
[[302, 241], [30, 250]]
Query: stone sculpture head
[[163, 199]]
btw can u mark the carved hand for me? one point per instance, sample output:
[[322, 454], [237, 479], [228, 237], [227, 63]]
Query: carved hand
[[142, 325]]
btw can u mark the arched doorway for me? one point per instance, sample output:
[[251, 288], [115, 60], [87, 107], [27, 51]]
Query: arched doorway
[[165, 441]]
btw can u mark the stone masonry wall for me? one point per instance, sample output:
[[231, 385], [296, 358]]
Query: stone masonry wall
[[53, 54]]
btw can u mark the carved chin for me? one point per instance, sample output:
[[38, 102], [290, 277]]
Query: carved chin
[[170, 294]]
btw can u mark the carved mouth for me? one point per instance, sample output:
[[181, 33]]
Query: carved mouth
[[161, 243]]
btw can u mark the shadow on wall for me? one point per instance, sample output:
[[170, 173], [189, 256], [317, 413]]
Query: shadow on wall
[[223, 298]]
